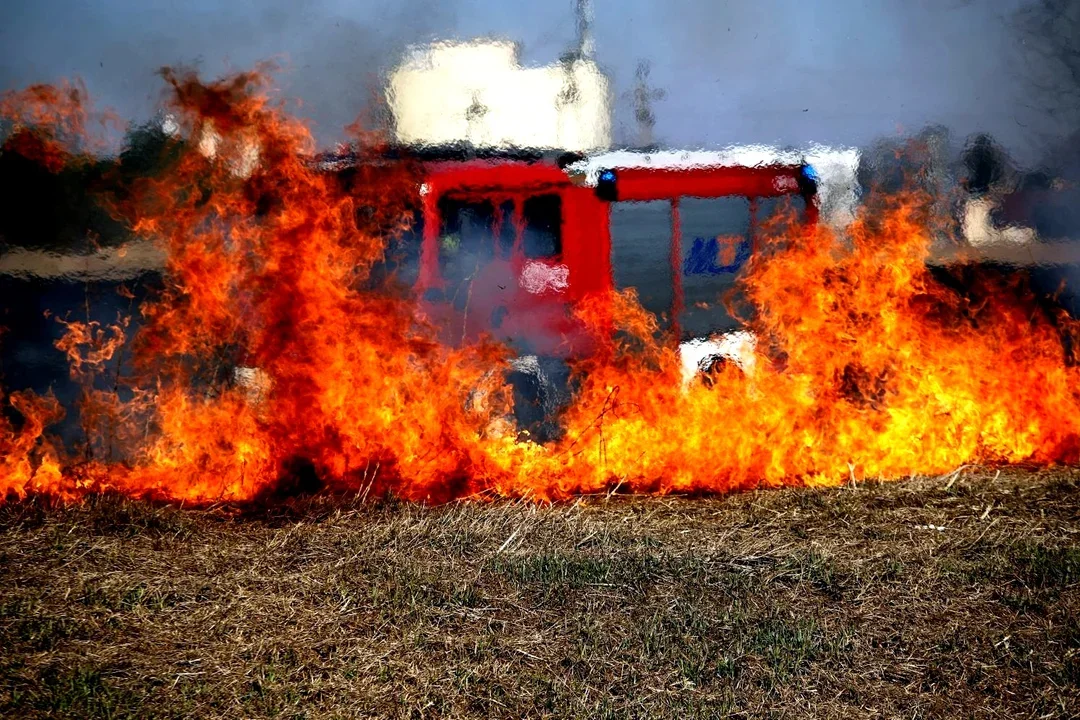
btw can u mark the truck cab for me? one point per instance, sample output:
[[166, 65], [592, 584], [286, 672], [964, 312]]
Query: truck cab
[[504, 247]]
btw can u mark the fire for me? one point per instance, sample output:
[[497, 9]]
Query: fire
[[862, 364], [873, 369]]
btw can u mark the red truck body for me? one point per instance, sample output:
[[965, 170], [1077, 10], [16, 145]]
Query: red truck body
[[515, 295]]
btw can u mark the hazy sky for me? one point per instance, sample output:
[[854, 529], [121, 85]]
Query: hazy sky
[[787, 71]]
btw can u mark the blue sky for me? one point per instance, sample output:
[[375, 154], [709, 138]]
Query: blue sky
[[787, 71]]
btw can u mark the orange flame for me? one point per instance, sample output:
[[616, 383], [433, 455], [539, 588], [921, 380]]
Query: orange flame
[[866, 365]]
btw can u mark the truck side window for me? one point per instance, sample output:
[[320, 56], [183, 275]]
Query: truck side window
[[467, 228], [466, 244], [543, 219]]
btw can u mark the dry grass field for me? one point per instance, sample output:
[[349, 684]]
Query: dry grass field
[[956, 596]]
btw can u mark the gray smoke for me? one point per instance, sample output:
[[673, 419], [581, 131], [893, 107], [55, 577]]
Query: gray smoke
[[332, 53], [776, 71]]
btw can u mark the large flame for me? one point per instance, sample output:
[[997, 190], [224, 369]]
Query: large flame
[[866, 365]]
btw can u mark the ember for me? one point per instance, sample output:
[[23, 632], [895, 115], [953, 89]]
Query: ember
[[274, 353]]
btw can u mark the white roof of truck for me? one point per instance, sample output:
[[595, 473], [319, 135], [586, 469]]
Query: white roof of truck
[[836, 168], [731, 156]]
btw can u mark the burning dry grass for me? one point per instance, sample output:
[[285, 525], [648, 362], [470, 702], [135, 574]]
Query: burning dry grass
[[867, 364], [939, 597]]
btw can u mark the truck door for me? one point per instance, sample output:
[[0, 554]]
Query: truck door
[[717, 240], [538, 321], [715, 245], [501, 272], [641, 254]]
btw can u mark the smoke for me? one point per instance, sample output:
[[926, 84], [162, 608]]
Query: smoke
[[780, 71], [331, 53], [840, 73]]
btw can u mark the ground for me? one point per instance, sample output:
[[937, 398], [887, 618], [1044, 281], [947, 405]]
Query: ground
[[954, 596]]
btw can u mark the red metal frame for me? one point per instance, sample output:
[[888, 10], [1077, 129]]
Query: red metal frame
[[637, 184], [585, 223]]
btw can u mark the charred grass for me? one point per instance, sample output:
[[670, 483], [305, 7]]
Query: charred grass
[[938, 597]]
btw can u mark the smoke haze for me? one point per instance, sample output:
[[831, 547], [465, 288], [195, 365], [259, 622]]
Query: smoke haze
[[780, 71]]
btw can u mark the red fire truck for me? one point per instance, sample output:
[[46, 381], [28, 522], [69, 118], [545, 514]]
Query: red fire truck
[[505, 245]]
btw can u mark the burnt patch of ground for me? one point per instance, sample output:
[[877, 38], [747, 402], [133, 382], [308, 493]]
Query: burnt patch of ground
[[938, 597]]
